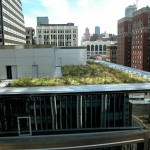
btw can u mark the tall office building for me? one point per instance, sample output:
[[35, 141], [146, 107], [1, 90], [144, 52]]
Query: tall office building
[[130, 10], [42, 20], [57, 34], [97, 30], [12, 28]]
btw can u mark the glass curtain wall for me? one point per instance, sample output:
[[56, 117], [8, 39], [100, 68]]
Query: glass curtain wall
[[66, 111]]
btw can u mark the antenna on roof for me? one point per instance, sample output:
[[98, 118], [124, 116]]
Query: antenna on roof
[[137, 4]]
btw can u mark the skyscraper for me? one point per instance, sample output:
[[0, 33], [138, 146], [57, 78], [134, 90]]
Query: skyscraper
[[129, 10], [12, 28], [42, 20], [97, 30]]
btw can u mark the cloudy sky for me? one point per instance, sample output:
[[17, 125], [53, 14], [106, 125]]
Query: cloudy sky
[[84, 13]]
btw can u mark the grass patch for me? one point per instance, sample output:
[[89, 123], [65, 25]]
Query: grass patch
[[92, 73]]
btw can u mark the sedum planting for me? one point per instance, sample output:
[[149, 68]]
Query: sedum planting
[[92, 73]]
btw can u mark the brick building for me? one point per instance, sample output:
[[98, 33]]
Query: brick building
[[124, 41], [111, 53], [133, 47], [141, 39]]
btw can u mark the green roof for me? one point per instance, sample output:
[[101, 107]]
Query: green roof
[[92, 73]]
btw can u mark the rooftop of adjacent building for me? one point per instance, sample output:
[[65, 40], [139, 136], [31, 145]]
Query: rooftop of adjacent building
[[137, 12], [124, 19], [112, 45], [85, 43], [29, 28], [31, 46], [142, 10], [88, 88], [67, 24]]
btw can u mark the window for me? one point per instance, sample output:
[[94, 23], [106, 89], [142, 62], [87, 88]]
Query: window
[[40, 36], [68, 31], [92, 47], [100, 47], [104, 47], [96, 47], [88, 47], [74, 35]]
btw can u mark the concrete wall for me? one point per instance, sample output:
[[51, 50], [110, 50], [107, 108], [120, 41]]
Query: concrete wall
[[71, 56], [43, 60]]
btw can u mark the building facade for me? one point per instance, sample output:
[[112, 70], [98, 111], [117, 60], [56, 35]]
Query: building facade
[[12, 28], [130, 10], [98, 116], [57, 34], [95, 48], [124, 41], [141, 39], [96, 110], [134, 40], [34, 61], [42, 20], [30, 35], [92, 117], [86, 36], [111, 53]]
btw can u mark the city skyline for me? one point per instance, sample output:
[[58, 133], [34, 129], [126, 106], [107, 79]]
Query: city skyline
[[83, 13]]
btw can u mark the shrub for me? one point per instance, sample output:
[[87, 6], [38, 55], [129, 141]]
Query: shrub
[[92, 73]]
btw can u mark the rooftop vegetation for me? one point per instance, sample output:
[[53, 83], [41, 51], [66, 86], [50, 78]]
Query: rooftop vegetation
[[92, 73]]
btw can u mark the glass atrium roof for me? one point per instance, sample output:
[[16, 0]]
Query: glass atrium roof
[[127, 69]]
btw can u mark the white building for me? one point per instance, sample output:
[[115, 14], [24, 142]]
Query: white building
[[17, 61], [57, 34], [95, 48], [12, 28]]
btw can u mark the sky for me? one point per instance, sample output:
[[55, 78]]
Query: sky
[[83, 13]]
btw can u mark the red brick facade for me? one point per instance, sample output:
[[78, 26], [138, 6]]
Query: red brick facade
[[134, 47], [124, 41], [140, 38]]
